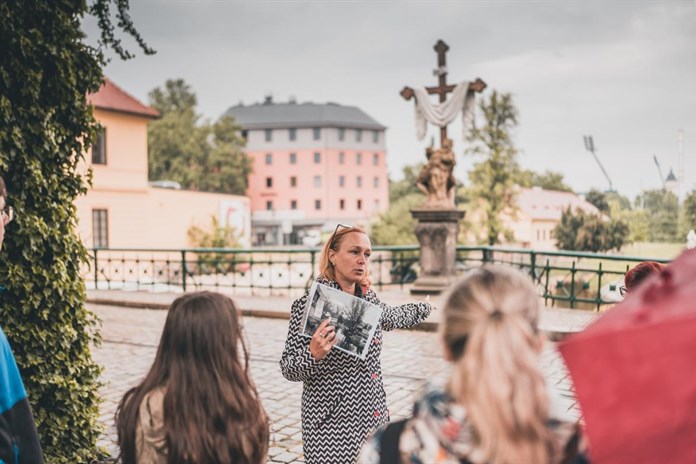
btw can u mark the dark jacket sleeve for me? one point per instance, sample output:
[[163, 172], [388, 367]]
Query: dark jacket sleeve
[[19, 441]]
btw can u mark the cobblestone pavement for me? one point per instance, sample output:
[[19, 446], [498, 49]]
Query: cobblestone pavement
[[408, 359]]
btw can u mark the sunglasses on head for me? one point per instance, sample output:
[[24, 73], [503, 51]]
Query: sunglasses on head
[[333, 236]]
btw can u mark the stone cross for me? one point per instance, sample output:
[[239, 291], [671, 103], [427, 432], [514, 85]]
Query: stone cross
[[443, 88]]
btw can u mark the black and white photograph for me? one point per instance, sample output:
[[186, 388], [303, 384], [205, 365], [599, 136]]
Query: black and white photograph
[[355, 319]]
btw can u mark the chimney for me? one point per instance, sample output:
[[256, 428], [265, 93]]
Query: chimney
[[268, 99]]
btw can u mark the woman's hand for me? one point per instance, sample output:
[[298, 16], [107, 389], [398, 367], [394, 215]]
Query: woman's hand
[[323, 340]]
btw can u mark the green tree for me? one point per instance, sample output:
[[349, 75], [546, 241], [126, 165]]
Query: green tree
[[549, 180], [662, 208], [406, 186], [617, 202], [198, 155], [599, 199], [689, 214], [581, 231], [492, 180], [227, 163], [396, 226], [46, 72], [215, 236]]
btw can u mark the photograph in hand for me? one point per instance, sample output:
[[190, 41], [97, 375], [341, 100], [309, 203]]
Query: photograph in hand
[[354, 319]]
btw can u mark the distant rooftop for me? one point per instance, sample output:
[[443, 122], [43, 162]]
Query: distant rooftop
[[271, 115], [111, 97], [537, 203]]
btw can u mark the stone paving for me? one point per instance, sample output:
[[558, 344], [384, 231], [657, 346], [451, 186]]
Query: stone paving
[[409, 359]]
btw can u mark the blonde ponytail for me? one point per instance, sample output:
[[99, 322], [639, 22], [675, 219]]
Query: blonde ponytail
[[491, 331]]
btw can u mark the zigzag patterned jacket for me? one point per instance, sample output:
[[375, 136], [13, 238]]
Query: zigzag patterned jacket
[[343, 398]]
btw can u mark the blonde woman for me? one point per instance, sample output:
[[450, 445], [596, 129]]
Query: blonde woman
[[343, 398], [496, 407]]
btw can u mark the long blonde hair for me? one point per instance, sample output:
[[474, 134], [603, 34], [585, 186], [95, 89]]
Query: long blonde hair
[[326, 268], [491, 331]]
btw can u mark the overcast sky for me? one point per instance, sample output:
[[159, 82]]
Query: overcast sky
[[622, 71]]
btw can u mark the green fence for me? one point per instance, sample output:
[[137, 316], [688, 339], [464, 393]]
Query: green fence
[[563, 279]]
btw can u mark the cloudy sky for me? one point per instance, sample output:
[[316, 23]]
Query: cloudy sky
[[622, 71]]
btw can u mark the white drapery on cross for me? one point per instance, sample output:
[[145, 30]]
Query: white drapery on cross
[[442, 114]]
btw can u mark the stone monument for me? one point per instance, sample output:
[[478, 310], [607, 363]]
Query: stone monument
[[438, 217]]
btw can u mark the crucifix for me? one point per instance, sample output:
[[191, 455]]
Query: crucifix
[[443, 88]]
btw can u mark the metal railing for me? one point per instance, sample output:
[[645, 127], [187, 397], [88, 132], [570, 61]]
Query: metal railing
[[563, 279]]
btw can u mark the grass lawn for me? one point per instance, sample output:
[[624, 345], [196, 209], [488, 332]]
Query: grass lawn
[[654, 250]]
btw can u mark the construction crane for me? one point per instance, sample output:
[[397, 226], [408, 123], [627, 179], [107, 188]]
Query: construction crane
[[589, 146], [659, 170]]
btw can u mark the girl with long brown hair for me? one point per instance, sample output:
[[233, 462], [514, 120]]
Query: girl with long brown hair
[[496, 407], [197, 404]]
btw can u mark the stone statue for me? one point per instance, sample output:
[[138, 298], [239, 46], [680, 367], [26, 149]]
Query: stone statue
[[436, 179]]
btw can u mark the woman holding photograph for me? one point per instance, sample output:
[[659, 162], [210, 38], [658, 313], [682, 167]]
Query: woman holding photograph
[[343, 398]]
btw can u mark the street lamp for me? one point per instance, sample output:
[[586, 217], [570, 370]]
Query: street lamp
[[589, 146]]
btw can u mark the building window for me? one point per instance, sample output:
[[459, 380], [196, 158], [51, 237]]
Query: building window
[[375, 182], [293, 181], [341, 204], [341, 181], [269, 182], [358, 158], [269, 158], [317, 158], [358, 135], [269, 205], [317, 204], [341, 134], [317, 181], [245, 134], [375, 159], [293, 204], [317, 133], [376, 204], [100, 228], [358, 181], [359, 204], [293, 158], [375, 136], [341, 158], [292, 134], [268, 134], [99, 148]]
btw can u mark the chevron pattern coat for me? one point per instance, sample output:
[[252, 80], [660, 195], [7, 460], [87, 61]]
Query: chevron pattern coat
[[343, 398]]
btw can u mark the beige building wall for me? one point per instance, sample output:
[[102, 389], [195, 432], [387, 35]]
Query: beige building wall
[[140, 216], [160, 218]]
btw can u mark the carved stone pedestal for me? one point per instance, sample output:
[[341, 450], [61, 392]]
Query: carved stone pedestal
[[437, 233]]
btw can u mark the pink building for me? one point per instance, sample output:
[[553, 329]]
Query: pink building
[[315, 165], [122, 210]]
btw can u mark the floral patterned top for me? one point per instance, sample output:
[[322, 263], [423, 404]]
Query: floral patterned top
[[439, 433]]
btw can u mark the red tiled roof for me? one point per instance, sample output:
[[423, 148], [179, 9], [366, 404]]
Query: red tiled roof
[[111, 97]]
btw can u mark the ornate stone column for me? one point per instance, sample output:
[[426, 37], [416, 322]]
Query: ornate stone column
[[437, 231]]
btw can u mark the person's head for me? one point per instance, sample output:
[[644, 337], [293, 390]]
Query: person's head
[[490, 332], [346, 256], [211, 408], [638, 274]]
